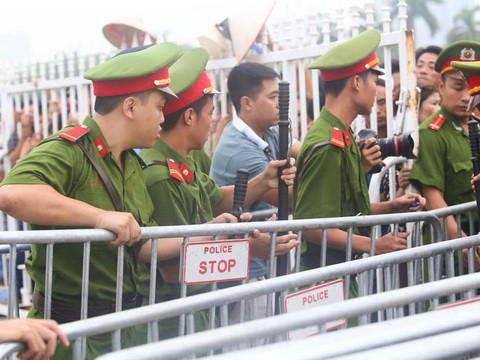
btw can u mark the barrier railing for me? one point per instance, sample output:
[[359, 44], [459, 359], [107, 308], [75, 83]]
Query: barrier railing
[[278, 325], [86, 236], [238, 335], [432, 335]]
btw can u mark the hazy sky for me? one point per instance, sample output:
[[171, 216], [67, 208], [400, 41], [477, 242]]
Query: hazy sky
[[39, 29]]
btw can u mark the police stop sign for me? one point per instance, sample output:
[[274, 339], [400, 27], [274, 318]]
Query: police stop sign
[[210, 261], [316, 296]]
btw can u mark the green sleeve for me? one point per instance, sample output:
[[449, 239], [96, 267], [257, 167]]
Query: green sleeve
[[319, 193], [53, 163], [171, 205], [212, 189], [429, 168]]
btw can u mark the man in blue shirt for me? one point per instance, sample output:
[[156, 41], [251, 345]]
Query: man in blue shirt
[[250, 140]]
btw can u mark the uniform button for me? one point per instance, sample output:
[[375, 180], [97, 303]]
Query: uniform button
[[185, 172], [99, 147]]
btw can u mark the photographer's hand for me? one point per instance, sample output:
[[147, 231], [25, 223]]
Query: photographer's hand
[[371, 155]]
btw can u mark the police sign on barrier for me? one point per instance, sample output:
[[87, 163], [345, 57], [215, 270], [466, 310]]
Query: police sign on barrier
[[209, 261], [328, 293]]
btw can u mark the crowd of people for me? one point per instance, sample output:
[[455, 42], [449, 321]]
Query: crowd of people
[[151, 98]]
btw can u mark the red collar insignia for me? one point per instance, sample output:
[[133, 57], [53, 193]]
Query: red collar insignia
[[337, 138], [186, 172], [437, 122], [102, 149], [347, 137], [174, 170]]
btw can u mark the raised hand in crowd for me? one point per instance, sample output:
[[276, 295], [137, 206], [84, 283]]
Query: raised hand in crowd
[[371, 155], [403, 181], [29, 144], [40, 336]]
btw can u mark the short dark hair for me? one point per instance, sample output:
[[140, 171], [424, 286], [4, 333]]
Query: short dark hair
[[429, 49], [380, 82], [335, 87], [172, 119], [247, 79], [106, 104], [425, 92]]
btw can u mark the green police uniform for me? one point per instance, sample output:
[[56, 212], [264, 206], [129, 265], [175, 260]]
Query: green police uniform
[[444, 159], [202, 159], [444, 153], [178, 202], [182, 193], [59, 162], [63, 166], [330, 180], [324, 186]]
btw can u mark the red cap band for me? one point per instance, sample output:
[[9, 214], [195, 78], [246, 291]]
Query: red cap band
[[194, 92], [474, 84], [446, 66], [336, 74], [158, 79]]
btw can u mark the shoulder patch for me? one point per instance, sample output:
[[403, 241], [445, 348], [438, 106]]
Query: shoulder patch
[[337, 138], [75, 133], [437, 122], [174, 170]]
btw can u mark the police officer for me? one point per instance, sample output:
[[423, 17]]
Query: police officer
[[470, 70], [330, 181], [443, 168], [182, 194], [88, 176]]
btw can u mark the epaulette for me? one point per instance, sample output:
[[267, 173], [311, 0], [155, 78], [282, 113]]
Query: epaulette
[[437, 122], [75, 133], [174, 170], [337, 138]]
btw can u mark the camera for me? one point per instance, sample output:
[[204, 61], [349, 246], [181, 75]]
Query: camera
[[398, 145]]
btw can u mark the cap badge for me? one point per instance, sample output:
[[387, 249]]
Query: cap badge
[[467, 54], [161, 82]]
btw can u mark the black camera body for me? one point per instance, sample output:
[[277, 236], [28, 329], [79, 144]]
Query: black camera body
[[398, 145]]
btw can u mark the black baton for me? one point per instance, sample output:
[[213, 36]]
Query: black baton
[[283, 123], [239, 192]]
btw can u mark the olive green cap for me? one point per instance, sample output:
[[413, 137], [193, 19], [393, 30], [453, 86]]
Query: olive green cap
[[190, 81], [470, 70], [350, 57], [464, 50], [134, 70]]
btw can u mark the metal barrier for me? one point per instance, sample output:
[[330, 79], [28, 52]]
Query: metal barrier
[[218, 338], [50, 238], [431, 335], [238, 335]]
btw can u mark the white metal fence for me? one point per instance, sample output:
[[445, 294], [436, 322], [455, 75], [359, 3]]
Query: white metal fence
[[274, 328]]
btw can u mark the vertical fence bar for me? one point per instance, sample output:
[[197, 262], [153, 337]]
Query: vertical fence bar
[[183, 287], [323, 249], [12, 283], [85, 282], [48, 281], [153, 326], [116, 335]]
